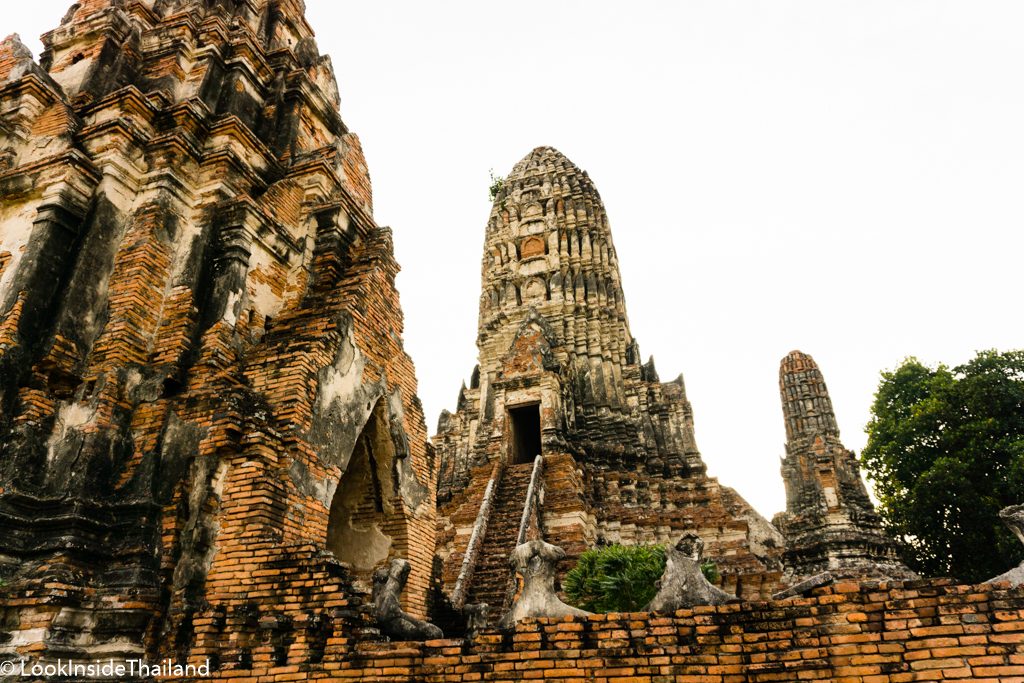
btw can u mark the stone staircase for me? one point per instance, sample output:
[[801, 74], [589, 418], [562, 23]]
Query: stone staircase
[[492, 574]]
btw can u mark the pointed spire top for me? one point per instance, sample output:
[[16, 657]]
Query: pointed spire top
[[548, 161], [805, 401], [15, 58]]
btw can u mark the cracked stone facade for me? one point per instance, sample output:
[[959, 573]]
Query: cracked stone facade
[[830, 524], [560, 373], [209, 429]]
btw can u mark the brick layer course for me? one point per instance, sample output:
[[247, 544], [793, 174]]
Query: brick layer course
[[848, 633]]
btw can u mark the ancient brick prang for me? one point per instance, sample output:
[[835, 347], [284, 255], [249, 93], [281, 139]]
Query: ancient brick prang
[[209, 429], [830, 523], [560, 375]]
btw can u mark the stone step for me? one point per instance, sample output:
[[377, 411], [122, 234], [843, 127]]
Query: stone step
[[492, 573]]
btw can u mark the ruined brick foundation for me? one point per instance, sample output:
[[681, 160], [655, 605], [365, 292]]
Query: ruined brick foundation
[[848, 633]]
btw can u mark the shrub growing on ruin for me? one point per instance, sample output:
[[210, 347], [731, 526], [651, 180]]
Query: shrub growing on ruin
[[620, 578], [615, 578]]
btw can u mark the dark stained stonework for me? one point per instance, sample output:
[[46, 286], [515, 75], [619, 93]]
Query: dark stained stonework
[[1013, 517], [209, 430], [388, 584], [830, 524], [683, 584], [560, 374], [536, 566]]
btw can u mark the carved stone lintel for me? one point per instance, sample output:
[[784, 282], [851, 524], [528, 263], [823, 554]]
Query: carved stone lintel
[[683, 584], [1013, 517], [537, 561], [388, 583]]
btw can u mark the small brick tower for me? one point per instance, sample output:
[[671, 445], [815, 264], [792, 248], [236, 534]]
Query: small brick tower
[[830, 523]]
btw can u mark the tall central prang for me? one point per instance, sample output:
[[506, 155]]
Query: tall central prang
[[557, 361], [560, 375]]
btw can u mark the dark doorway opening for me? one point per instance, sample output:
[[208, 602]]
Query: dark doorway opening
[[525, 422]]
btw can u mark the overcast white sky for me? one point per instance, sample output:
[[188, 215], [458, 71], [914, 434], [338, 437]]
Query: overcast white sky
[[842, 177]]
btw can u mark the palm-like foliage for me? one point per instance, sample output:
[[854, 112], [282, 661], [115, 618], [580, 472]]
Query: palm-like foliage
[[615, 578]]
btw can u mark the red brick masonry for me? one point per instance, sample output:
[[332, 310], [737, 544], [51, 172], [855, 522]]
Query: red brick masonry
[[848, 633]]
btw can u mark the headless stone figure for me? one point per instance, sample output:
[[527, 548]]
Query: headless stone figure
[[1013, 517], [388, 583], [537, 562], [683, 584]]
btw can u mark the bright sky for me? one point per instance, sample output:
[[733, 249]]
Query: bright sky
[[842, 177]]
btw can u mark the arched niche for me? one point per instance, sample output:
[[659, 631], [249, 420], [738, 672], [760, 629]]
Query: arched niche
[[535, 290], [533, 246], [365, 526]]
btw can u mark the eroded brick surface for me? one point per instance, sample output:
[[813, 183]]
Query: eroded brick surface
[[830, 524], [201, 361]]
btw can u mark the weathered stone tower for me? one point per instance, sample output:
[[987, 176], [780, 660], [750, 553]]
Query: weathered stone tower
[[830, 523], [560, 375], [209, 430]]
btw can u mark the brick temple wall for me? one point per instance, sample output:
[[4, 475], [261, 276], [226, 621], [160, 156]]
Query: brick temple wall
[[848, 633]]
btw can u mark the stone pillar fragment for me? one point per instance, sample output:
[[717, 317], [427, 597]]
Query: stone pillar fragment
[[683, 584], [537, 563]]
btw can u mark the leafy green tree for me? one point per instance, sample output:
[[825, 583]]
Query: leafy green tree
[[945, 453]]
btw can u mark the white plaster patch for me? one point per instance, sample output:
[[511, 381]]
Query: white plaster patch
[[15, 231], [342, 379], [31, 636], [71, 416], [72, 77], [831, 498], [232, 308]]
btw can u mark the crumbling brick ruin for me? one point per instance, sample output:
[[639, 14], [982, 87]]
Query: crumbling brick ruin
[[211, 446], [209, 430], [830, 524], [560, 376]]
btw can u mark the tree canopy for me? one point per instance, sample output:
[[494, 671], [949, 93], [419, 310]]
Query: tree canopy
[[945, 453]]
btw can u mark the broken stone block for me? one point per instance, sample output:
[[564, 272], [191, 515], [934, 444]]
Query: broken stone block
[[388, 584], [537, 563], [806, 586], [683, 584], [1013, 517], [476, 618]]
